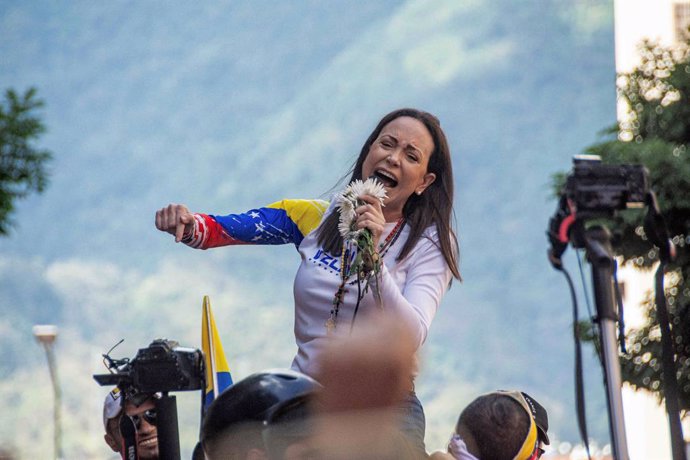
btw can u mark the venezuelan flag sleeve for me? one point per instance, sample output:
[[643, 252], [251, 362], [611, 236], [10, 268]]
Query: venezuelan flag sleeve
[[282, 222]]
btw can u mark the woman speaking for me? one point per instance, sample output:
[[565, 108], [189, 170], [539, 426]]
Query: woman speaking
[[384, 244]]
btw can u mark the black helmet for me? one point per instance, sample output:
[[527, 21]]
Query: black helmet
[[254, 400]]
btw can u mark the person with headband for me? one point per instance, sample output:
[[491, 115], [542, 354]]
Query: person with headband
[[541, 418], [498, 426], [402, 190]]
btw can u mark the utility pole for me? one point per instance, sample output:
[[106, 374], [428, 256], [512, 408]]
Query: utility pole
[[46, 334]]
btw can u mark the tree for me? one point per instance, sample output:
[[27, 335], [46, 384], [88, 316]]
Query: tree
[[656, 133], [22, 166]]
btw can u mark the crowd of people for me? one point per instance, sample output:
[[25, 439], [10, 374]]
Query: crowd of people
[[376, 261], [352, 412]]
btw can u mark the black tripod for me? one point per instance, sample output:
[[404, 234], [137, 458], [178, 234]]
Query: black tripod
[[596, 240], [597, 243], [168, 432]]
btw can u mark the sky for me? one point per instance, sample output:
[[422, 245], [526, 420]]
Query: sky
[[228, 105]]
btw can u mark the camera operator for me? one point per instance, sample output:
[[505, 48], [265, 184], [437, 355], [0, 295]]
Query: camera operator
[[143, 416]]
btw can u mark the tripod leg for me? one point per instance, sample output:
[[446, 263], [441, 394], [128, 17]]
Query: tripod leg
[[168, 435]]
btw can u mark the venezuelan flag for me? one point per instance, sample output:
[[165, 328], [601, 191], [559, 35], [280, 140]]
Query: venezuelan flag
[[218, 376]]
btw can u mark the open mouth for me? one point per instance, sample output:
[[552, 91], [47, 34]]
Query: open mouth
[[385, 178]]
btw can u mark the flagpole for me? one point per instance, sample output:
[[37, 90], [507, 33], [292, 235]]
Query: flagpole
[[212, 351]]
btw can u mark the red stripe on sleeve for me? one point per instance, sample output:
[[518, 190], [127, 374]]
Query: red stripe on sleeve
[[208, 233]]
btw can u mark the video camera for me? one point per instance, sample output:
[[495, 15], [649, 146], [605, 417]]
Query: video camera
[[161, 367], [591, 190], [597, 188]]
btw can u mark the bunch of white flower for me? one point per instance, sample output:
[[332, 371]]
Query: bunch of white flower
[[349, 200], [367, 261]]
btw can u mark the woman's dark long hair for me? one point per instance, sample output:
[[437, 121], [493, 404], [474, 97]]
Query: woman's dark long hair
[[434, 206]]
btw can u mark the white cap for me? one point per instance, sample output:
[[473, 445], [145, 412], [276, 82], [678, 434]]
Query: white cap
[[112, 406]]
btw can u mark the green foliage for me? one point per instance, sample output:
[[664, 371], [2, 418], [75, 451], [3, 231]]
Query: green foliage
[[641, 366], [655, 133], [657, 94], [22, 166]]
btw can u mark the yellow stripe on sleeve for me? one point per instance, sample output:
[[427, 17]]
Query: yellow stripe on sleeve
[[306, 214]]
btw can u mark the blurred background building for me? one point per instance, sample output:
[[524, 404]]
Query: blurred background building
[[665, 22]]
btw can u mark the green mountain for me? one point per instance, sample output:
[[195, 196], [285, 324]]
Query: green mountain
[[231, 105]]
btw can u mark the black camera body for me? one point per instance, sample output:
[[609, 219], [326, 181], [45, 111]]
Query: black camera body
[[601, 189], [594, 190], [163, 366]]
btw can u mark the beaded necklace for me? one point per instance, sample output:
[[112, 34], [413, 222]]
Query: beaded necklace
[[345, 264]]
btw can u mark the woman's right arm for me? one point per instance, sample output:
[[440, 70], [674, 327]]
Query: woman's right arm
[[285, 221]]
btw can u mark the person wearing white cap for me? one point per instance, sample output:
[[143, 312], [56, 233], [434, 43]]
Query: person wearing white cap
[[143, 417], [112, 408]]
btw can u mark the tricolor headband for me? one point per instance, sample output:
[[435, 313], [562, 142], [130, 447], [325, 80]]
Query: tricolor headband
[[528, 450]]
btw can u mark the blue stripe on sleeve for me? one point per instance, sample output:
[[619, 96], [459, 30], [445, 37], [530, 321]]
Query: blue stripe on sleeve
[[261, 226]]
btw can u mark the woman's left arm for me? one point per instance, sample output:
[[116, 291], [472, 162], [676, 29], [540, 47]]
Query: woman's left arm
[[427, 280]]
